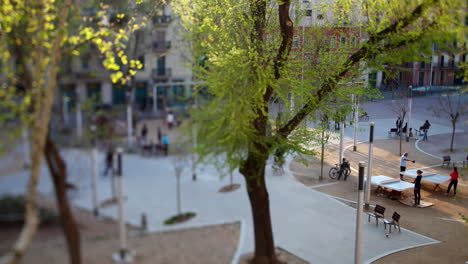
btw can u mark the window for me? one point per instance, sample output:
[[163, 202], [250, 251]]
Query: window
[[353, 41], [295, 43], [85, 62], [442, 77], [332, 42], [422, 65], [442, 62], [421, 79], [320, 17], [343, 41], [308, 13], [433, 78], [453, 60]]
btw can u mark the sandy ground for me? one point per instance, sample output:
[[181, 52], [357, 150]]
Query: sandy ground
[[214, 244], [441, 221]]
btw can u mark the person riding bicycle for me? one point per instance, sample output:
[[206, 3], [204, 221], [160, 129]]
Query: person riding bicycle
[[343, 166]]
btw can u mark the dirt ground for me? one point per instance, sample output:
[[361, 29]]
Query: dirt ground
[[440, 221], [99, 240]]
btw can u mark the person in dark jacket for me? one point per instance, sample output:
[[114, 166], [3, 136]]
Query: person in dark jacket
[[417, 188]]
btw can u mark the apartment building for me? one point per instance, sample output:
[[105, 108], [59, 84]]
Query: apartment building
[[163, 60]]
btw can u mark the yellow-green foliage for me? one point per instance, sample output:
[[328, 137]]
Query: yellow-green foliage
[[239, 64]]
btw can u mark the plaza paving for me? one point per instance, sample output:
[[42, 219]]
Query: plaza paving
[[310, 224]]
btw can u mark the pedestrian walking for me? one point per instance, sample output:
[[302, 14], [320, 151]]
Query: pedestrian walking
[[417, 188], [109, 161], [424, 128], [403, 160], [159, 135], [453, 181], [144, 132], [170, 119], [165, 141], [398, 125]]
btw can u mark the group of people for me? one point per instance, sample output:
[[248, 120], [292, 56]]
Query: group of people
[[163, 139], [424, 128], [417, 181]]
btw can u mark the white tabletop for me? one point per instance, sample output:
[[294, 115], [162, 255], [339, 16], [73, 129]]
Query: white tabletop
[[396, 184], [427, 176]]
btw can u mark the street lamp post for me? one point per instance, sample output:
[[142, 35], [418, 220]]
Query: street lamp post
[[410, 103], [359, 211]]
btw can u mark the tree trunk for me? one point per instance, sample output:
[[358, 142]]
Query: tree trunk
[[58, 172], [453, 137], [254, 173]]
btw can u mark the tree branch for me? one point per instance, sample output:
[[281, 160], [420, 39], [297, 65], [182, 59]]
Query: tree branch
[[362, 53]]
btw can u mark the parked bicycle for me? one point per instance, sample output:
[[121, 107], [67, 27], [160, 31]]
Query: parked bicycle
[[335, 171]]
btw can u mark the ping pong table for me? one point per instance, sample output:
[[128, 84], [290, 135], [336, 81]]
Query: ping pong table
[[428, 176], [386, 183]]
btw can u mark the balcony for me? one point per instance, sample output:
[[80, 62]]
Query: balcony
[[162, 20], [161, 74], [161, 46]]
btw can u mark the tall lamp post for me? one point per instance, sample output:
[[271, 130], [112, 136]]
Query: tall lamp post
[[410, 103]]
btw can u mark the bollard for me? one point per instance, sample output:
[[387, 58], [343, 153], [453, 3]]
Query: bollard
[[94, 182], [369, 167], [356, 120], [359, 211], [123, 256]]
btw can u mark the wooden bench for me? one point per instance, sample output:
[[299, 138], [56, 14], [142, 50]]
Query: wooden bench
[[446, 160], [393, 130], [379, 212], [395, 221]]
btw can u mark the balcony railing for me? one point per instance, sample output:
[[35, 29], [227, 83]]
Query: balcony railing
[[163, 73], [162, 20], [161, 45]]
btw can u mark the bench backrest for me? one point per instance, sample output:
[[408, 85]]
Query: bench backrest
[[396, 217], [379, 210], [446, 158]]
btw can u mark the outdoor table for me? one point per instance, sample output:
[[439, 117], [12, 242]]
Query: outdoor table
[[385, 182], [428, 176]]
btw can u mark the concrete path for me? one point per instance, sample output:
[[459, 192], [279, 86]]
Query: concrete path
[[307, 223]]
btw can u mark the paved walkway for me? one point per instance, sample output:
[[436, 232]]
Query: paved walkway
[[306, 222]]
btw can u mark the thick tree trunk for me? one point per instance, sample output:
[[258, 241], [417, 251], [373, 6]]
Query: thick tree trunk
[[58, 172], [254, 173]]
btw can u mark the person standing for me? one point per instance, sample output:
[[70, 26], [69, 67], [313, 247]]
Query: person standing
[[425, 128], [170, 119], [398, 125], [165, 141], [159, 135], [343, 166], [144, 132], [453, 181], [109, 161], [403, 160], [417, 188]]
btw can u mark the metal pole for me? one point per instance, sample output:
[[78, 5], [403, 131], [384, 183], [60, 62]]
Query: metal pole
[[194, 134], [123, 255], [369, 168], [79, 121], [356, 120], [155, 99], [359, 211], [341, 141], [95, 172], [129, 125], [410, 102]]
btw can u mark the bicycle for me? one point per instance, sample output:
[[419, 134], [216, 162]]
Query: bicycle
[[334, 172]]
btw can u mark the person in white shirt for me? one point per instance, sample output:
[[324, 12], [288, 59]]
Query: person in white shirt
[[403, 160], [170, 119]]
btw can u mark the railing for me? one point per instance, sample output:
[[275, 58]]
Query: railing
[[163, 73], [162, 20], [161, 45]]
